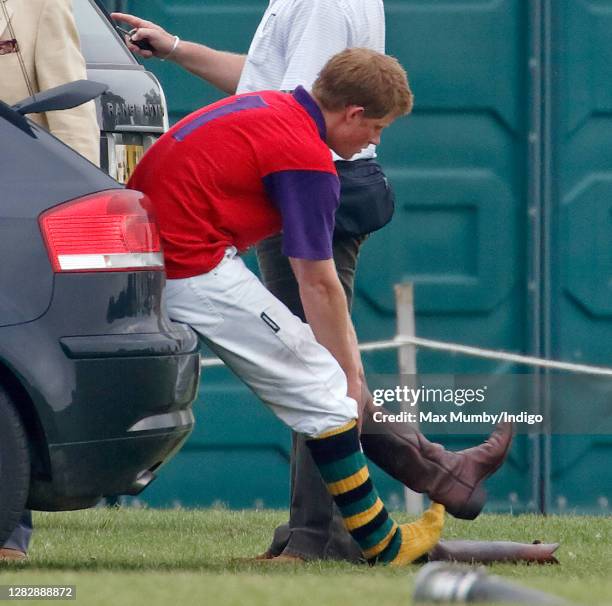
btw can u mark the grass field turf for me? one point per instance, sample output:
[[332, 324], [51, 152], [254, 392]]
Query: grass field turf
[[183, 557]]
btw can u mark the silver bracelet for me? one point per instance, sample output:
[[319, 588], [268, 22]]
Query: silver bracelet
[[176, 43]]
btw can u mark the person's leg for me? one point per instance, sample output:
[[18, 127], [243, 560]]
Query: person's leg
[[333, 541], [315, 529], [343, 466], [16, 546], [277, 356]]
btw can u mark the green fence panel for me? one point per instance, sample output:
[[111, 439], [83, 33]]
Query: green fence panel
[[579, 213]]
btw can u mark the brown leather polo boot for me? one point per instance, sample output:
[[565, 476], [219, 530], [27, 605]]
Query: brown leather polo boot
[[453, 479]]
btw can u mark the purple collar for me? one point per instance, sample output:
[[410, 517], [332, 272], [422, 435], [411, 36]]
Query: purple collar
[[303, 97]]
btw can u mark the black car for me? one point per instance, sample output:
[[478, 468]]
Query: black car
[[96, 383]]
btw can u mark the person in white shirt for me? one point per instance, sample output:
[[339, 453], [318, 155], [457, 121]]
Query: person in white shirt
[[295, 38]]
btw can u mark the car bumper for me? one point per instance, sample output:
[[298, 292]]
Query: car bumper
[[112, 440], [85, 473]]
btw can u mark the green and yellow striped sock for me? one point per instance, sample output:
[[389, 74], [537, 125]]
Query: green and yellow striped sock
[[344, 470]]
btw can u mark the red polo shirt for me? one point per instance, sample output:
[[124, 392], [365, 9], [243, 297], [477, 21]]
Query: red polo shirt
[[238, 171]]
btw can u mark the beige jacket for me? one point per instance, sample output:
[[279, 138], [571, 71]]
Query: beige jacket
[[49, 44]]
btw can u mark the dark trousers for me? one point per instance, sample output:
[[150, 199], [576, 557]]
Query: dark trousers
[[316, 528], [20, 537]]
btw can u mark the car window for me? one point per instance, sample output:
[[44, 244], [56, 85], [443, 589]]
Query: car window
[[99, 43]]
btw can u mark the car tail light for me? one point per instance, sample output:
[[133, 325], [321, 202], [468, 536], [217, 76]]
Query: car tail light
[[113, 230]]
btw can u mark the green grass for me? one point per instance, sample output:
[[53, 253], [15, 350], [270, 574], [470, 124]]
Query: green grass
[[182, 557]]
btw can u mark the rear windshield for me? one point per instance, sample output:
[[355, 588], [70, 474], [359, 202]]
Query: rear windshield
[[99, 42]]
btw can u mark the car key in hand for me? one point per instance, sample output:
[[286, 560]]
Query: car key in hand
[[141, 44]]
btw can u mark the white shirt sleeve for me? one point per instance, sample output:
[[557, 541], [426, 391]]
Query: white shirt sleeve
[[316, 30]]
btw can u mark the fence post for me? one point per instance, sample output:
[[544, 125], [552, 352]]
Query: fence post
[[406, 361]]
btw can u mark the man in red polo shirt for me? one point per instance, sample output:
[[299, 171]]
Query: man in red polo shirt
[[241, 170], [237, 171]]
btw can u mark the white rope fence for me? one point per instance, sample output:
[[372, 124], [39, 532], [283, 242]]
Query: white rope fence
[[467, 350], [491, 354]]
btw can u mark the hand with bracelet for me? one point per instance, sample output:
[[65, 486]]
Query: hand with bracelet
[[162, 43], [222, 69]]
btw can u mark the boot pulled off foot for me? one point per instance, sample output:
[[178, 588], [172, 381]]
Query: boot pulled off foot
[[453, 479]]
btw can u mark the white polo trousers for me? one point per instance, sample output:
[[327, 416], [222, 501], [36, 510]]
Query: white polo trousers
[[264, 344]]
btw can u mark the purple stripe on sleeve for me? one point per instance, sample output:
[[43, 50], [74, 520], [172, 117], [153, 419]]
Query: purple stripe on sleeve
[[240, 104], [307, 201]]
